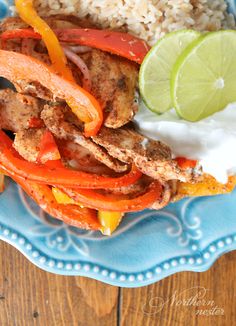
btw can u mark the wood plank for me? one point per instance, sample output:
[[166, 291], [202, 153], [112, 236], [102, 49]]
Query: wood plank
[[30, 296], [144, 306]]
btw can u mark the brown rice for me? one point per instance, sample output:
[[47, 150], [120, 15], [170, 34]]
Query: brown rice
[[148, 19]]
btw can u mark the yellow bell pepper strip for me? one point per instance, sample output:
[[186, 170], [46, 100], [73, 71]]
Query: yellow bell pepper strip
[[108, 220], [16, 66], [29, 15], [122, 44], [62, 198]]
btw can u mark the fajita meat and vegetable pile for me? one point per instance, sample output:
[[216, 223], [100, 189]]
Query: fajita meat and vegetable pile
[[74, 148]]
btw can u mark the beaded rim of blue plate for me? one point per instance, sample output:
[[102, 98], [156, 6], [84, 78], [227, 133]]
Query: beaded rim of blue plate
[[195, 262]]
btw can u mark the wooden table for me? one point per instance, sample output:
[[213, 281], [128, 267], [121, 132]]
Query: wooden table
[[30, 296]]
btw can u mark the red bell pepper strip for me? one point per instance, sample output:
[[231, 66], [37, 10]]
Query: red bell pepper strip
[[35, 122], [28, 14], [48, 150], [59, 176], [74, 215], [6, 141], [42, 194], [116, 203], [185, 163], [122, 44], [15, 66]]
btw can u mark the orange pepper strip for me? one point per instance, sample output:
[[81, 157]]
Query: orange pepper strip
[[29, 15], [42, 194], [74, 215], [62, 176], [59, 63], [58, 176], [16, 66], [116, 203]]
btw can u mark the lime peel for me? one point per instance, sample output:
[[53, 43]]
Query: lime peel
[[203, 79], [155, 71]]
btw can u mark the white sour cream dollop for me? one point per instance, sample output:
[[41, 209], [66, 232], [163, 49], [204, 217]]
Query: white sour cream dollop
[[211, 141]]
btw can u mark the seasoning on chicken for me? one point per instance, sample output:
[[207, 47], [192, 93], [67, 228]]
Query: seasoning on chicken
[[16, 110], [114, 79], [152, 157], [114, 83], [27, 143], [116, 148], [54, 118]]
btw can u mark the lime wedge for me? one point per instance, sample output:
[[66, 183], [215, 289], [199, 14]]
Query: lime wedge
[[155, 71], [204, 77]]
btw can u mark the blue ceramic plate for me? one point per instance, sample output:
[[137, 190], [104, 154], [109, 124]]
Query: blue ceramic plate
[[148, 246]]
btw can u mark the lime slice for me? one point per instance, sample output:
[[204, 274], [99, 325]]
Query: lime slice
[[204, 77], [155, 71]]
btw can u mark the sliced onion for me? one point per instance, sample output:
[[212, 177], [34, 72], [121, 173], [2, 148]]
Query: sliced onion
[[73, 57], [79, 48]]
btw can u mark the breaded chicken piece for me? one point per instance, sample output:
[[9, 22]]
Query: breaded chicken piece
[[27, 143], [16, 110], [55, 120], [114, 79], [152, 157], [114, 83]]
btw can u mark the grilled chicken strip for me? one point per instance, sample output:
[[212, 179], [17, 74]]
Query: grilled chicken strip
[[114, 83], [80, 158], [16, 110], [56, 121], [114, 79], [152, 157], [27, 142]]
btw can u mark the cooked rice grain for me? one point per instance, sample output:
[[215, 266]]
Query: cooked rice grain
[[148, 19]]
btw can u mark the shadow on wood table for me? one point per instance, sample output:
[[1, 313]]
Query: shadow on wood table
[[30, 296]]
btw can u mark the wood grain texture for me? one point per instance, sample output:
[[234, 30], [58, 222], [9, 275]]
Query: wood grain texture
[[173, 301], [30, 296]]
